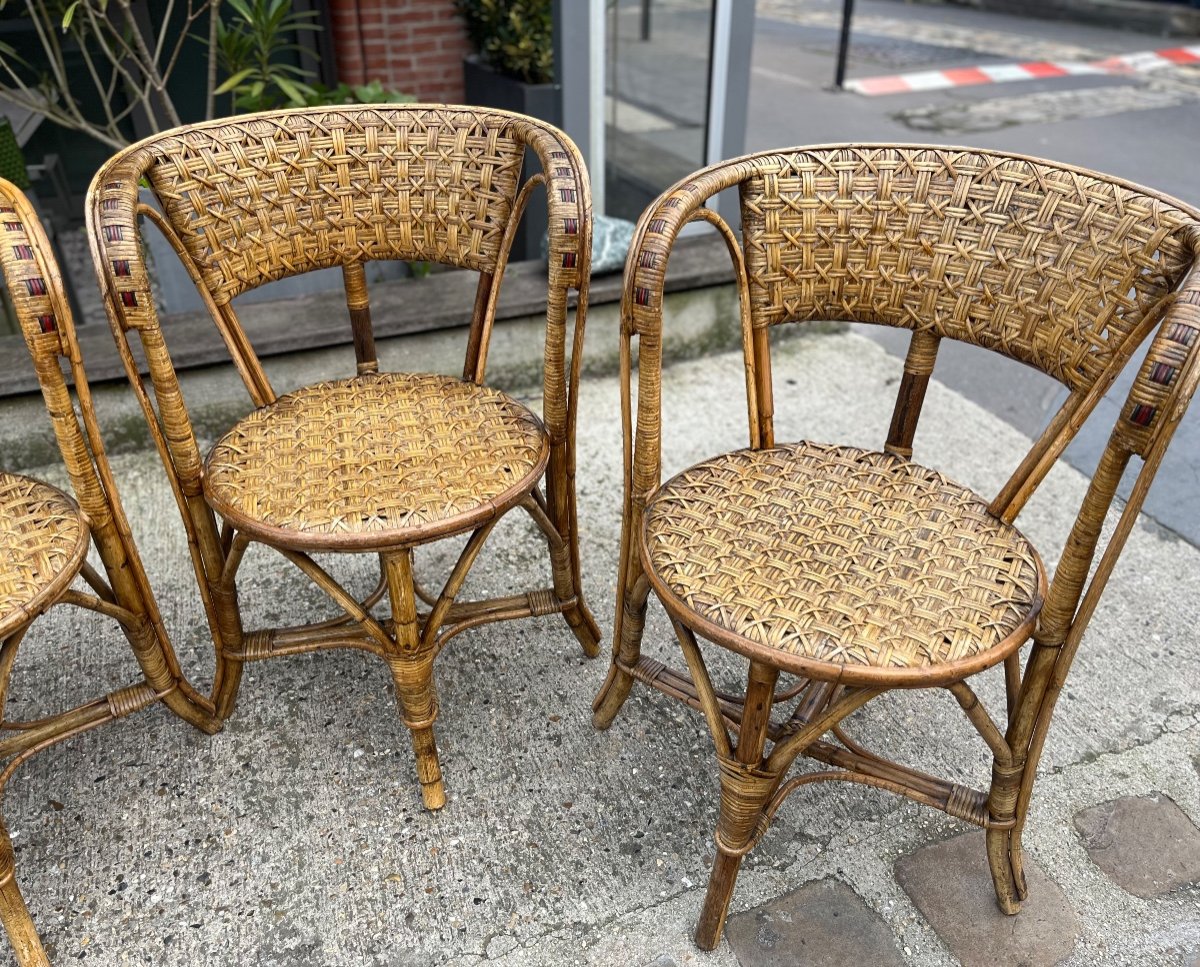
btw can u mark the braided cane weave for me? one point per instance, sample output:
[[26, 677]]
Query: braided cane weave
[[841, 563], [43, 540], [267, 197], [381, 456], [1046, 264]]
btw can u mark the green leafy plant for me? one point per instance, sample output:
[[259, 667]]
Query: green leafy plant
[[130, 58], [514, 37], [372, 93], [249, 47]]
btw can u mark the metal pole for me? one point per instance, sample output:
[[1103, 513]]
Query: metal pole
[[843, 43]]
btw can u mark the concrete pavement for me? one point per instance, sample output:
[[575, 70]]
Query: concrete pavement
[[296, 837]]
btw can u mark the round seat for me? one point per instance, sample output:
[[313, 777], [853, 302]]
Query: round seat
[[43, 541], [375, 462], [841, 564]]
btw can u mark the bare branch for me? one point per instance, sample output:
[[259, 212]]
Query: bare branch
[[95, 75], [116, 58], [49, 41], [53, 113], [210, 101], [183, 36], [151, 68], [161, 42]]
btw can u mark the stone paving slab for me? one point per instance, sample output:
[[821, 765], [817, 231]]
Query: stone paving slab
[[950, 884], [823, 924], [1146, 844], [296, 837]]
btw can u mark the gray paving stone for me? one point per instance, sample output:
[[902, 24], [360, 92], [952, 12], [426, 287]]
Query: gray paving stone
[[823, 923], [1145, 844], [950, 884]]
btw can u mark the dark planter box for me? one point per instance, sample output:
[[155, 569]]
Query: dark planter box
[[483, 87]]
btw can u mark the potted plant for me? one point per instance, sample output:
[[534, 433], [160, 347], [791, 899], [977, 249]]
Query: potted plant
[[250, 42], [514, 71]]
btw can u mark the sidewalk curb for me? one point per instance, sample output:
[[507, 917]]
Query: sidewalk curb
[[1163, 19]]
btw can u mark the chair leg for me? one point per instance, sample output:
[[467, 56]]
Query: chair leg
[[412, 671], [228, 678], [18, 924], [563, 541], [583, 624], [163, 675], [226, 685], [579, 616], [627, 649], [1008, 877], [746, 789], [1004, 845], [564, 566]]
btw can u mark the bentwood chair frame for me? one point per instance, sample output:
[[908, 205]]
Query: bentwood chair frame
[[258, 198], [1058, 267], [44, 540]]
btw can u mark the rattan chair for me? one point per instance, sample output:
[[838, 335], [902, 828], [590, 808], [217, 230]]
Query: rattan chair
[[861, 572], [44, 541], [379, 462]]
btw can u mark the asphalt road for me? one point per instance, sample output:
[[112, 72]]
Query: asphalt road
[[1145, 128]]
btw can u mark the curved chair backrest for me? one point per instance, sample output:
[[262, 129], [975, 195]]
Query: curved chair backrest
[[1049, 265], [263, 197], [248, 200], [1061, 268], [35, 288]]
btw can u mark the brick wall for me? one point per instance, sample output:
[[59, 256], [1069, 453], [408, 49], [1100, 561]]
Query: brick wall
[[416, 46]]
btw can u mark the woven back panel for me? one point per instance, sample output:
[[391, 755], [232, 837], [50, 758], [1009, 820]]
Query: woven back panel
[[259, 199], [1046, 264]]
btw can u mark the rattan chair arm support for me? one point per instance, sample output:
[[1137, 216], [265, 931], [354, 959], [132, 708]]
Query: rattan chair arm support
[[42, 526]]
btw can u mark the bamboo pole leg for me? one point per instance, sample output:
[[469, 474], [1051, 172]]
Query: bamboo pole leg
[[412, 671], [18, 924], [1004, 858], [579, 616], [746, 788], [151, 654], [568, 583], [564, 567], [583, 625], [191, 711], [1004, 845], [226, 684], [627, 647], [228, 677], [616, 688]]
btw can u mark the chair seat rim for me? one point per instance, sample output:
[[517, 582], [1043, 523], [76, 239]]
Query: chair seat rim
[[868, 676], [25, 611], [380, 540]]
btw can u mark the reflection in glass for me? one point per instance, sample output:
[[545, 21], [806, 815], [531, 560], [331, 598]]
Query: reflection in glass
[[656, 103]]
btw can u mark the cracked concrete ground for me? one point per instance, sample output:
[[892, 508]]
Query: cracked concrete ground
[[296, 837]]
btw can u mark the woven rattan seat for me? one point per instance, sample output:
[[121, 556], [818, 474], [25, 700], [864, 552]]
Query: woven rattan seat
[[841, 564], [377, 456], [43, 540]]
